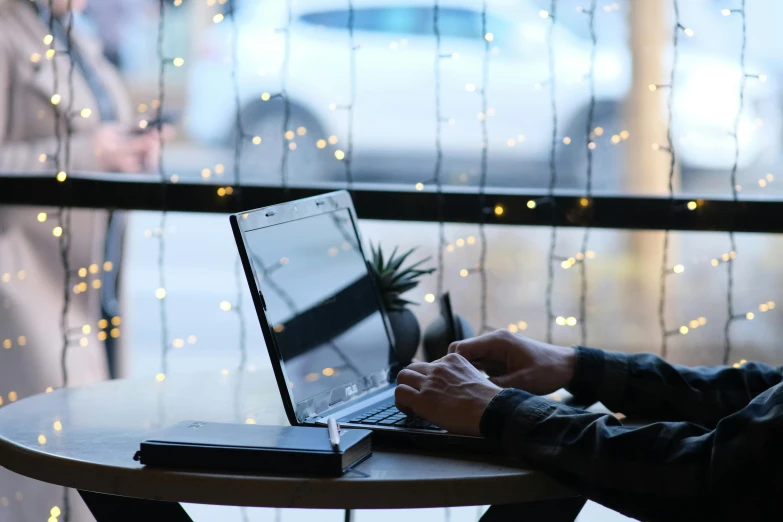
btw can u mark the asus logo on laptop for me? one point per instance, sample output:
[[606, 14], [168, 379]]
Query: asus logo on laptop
[[196, 425]]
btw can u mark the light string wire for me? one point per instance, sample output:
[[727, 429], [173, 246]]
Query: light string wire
[[62, 161], [348, 160], [62, 158], [284, 94], [241, 136], [731, 317], [484, 211], [552, 172], [161, 292], [589, 178], [665, 270], [438, 145]]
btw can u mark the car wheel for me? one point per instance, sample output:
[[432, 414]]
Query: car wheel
[[262, 162]]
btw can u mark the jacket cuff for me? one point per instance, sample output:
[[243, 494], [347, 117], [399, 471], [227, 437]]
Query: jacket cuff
[[599, 375], [500, 410]]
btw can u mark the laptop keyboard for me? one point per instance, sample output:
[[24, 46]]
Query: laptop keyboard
[[389, 415]]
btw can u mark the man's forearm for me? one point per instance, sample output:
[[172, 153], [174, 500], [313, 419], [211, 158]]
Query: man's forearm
[[662, 471], [645, 385]]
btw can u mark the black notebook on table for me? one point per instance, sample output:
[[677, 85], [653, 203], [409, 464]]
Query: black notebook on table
[[248, 447]]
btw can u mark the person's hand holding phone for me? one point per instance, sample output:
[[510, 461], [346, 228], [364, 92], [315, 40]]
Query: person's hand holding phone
[[120, 150], [513, 361]]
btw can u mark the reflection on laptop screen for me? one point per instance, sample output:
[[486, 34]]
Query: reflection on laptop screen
[[321, 303]]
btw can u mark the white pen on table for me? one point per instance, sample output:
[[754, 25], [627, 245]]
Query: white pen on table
[[334, 433]]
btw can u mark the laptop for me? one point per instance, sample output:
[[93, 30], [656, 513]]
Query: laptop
[[327, 333]]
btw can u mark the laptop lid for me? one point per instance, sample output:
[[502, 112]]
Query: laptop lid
[[326, 331]]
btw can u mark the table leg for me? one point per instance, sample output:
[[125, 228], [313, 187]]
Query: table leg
[[113, 508], [556, 510]]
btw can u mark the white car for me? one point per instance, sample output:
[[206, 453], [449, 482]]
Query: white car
[[307, 54]]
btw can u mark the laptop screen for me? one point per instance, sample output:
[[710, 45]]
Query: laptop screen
[[323, 308]]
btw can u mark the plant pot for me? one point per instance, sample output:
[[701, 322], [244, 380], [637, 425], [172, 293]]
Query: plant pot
[[407, 334]]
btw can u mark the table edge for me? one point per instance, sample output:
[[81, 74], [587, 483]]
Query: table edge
[[281, 492]]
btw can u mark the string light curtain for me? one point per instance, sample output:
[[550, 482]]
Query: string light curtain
[[160, 293], [62, 159], [731, 315], [483, 210], [592, 132], [567, 262], [439, 56], [666, 270], [286, 31], [550, 316]]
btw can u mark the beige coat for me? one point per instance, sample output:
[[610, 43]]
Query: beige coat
[[31, 276]]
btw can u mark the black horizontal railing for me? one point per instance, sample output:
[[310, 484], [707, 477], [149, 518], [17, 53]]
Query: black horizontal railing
[[405, 203]]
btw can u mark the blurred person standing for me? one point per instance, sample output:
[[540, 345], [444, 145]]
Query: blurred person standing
[[110, 18], [31, 275]]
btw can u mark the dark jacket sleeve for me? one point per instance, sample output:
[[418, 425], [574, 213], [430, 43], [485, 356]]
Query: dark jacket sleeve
[[664, 471], [646, 386]]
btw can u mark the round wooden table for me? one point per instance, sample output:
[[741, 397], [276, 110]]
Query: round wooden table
[[85, 438]]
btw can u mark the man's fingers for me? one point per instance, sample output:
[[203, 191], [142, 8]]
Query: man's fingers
[[405, 398], [420, 367], [472, 349], [411, 378]]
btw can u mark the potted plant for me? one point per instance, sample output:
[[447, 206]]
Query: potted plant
[[394, 280]]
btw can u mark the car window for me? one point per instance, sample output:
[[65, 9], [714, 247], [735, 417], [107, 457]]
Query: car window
[[454, 23]]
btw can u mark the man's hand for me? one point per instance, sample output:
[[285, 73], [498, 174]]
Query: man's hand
[[449, 392], [514, 361]]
